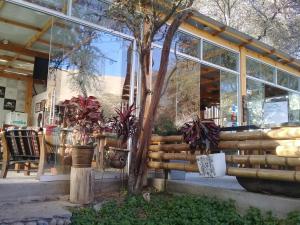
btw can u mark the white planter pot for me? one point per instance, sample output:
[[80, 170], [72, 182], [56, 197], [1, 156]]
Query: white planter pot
[[212, 165]]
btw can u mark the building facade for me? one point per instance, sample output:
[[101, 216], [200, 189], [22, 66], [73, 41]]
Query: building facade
[[214, 72]]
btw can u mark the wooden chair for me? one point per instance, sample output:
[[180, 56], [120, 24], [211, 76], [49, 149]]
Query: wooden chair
[[22, 147]]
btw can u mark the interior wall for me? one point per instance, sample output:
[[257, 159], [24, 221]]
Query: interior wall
[[12, 96]]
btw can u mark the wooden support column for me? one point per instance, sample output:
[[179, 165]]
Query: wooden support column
[[28, 100], [82, 185], [243, 87]]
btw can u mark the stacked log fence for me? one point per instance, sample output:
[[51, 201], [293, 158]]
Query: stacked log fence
[[272, 154]]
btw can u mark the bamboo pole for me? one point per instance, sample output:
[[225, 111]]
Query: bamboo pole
[[171, 156], [169, 147], [242, 159], [277, 134], [173, 166], [288, 151], [279, 175], [263, 160], [283, 133], [172, 138], [256, 144]]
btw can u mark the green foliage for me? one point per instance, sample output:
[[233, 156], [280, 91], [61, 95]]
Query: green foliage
[[176, 210]]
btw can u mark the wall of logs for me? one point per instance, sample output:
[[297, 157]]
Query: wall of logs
[[272, 154]]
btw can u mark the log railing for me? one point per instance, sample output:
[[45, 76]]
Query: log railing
[[266, 154]]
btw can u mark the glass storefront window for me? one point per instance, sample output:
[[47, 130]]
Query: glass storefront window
[[220, 56], [260, 70], [58, 5], [287, 80], [92, 61], [182, 42], [255, 100], [187, 44], [267, 105], [228, 99], [96, 11], [180, 99], [294, 107]]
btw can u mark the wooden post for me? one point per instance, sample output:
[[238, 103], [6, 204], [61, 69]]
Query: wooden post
[[42, 160], [82, 185], [27, 168], [6, 156]]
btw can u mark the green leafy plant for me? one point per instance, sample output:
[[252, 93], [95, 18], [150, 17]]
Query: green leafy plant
[[166, 209], [204, 134]]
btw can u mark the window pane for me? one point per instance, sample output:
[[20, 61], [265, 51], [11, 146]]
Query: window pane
[[287, 80], [260, 70], [294, 107], [180, 97], [59, 5], [187, 44], [92, 61], [228, 99], [182, 42], [95, 11], [255, 100], [220, 56]]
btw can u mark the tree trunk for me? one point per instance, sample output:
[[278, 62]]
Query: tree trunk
[[82, 185], [138, 167]]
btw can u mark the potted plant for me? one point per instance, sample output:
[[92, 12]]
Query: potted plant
[[85, 116], [124, 125], [204, 135]]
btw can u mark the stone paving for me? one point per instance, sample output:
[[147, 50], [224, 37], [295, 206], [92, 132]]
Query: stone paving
[[36, 213]]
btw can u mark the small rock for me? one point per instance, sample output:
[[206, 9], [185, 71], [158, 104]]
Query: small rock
[[42, 222], [52, 222], [67, 222], [98, 206], [31, 223], [60, 222]]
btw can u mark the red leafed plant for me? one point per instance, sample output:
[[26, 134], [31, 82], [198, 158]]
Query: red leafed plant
[[125, 123], [204, 134], [84, 114]]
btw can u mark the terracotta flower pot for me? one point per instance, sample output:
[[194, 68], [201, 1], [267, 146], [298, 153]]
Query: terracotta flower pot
[[82, 156], [117, 157]]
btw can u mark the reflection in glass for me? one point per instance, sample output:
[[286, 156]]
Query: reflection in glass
[[260, 70], [85, 61], [287, 80], [96, 11], [255, 100], [294, 107], [220, 56], [182, 42], [180, 97], [58, 5], [92, 62], [228, 99]]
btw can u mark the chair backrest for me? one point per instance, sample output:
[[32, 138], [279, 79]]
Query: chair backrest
[[22, 144]]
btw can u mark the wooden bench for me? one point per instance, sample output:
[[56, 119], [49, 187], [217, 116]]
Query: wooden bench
[[22, 147]]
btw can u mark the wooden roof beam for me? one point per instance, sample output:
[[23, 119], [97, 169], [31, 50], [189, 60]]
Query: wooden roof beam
[[14, 76], [9, 58], [289, 61], [271, 52], [19, 24], [238, 37], [18, 70], [19, 49], [217, 32], [249, 41]]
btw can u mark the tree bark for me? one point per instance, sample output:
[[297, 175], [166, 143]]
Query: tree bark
[[138, 167]]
